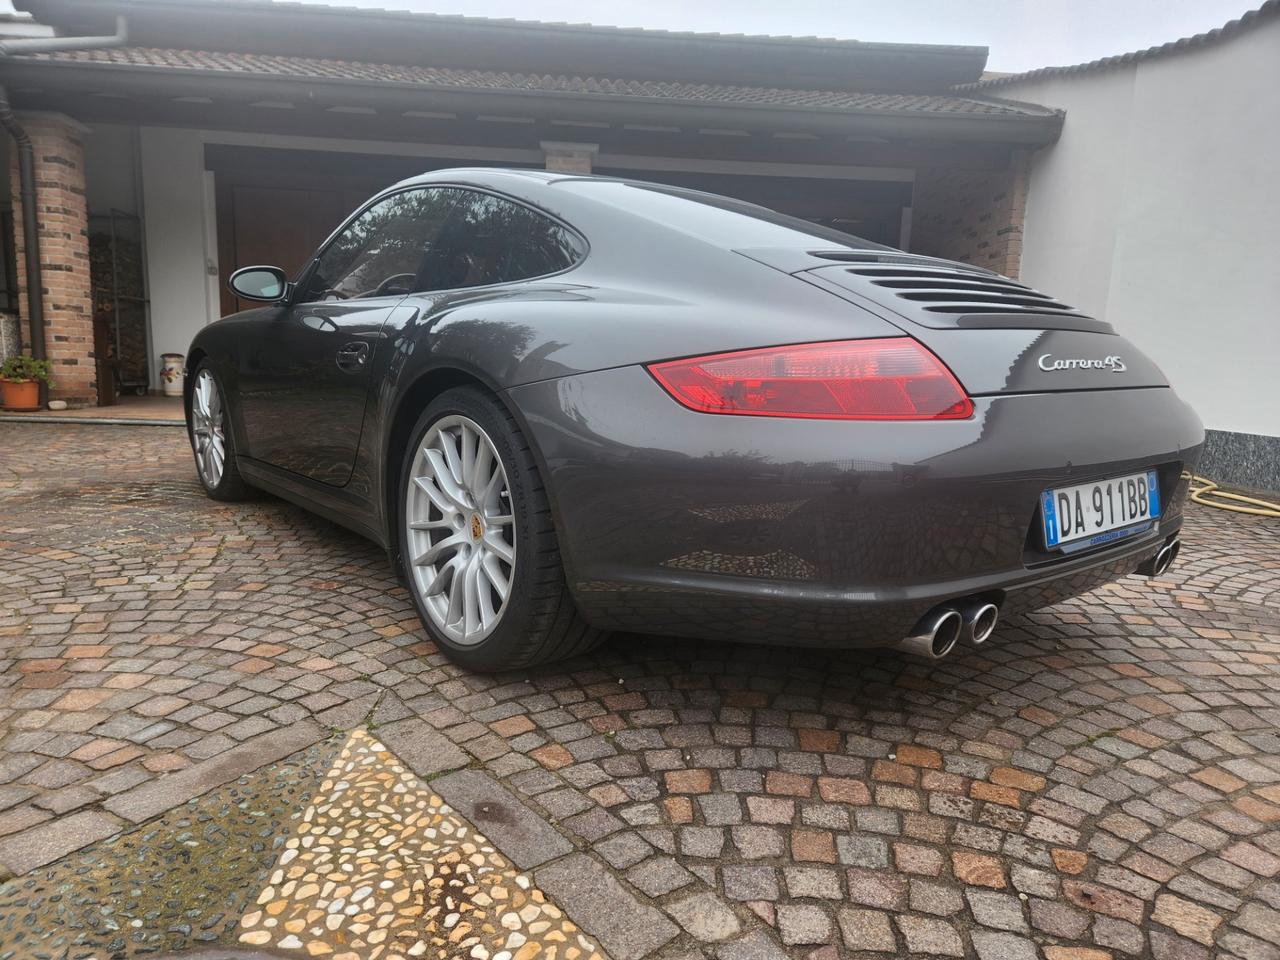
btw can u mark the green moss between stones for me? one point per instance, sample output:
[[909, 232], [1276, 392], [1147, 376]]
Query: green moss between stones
[[177, 883]]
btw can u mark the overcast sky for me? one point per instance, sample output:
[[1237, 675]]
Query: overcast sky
[[1022, 34]]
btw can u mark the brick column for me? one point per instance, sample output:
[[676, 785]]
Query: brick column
[[972, 216], [63, 218], [569, 157]]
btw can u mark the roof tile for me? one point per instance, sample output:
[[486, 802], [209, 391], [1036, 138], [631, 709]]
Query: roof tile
[[251, 64]]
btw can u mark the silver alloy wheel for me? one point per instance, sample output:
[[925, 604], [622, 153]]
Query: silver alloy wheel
[[460, 535], [208, 435]]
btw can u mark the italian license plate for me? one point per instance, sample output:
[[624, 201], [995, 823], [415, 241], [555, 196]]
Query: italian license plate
[[1089, 514]]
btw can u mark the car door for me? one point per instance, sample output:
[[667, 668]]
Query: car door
[[304, 378]]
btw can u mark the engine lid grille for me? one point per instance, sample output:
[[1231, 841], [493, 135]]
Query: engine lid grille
[[929, 291], [952, 290]]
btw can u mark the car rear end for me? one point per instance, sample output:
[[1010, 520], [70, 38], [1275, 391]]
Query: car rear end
[[1005, 340], [994, 447]]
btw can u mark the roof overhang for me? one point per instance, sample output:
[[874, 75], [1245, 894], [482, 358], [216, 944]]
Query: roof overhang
[[379, 36], [85, 81]]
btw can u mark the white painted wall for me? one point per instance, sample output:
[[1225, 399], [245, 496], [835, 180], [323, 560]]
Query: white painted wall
[[1159, 210], [174, 216], [110, 168]]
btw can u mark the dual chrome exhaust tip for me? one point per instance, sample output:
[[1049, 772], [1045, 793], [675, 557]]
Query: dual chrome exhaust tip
[[936, 635], [973, 619], [1163, 559], [980, 619]]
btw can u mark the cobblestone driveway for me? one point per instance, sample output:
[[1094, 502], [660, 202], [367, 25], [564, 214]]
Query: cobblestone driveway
[[1102, 779]]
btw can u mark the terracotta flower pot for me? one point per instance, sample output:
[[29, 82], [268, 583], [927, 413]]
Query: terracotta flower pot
[[20, 394]]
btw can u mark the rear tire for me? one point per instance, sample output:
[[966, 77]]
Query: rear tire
[[211, 440], [474, 517]]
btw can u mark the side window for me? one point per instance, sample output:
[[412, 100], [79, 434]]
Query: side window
[[381, 252], [493, 240]]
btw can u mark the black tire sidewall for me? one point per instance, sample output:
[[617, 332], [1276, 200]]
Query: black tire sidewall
[[512, 634]]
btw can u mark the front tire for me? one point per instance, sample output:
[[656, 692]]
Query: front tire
[[477, 544], [211, 440]]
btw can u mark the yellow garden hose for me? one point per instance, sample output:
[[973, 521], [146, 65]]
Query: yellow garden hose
[[1202, 490]]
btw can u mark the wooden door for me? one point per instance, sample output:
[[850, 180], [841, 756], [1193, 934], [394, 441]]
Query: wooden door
[[281, 227]]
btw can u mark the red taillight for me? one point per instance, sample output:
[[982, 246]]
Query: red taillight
[[885, 379]]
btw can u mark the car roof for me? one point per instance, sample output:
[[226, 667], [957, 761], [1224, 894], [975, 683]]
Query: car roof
[[730, 227], [510, 177]]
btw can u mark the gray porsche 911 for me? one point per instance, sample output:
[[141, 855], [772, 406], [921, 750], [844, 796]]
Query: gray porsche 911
[[569, 404]]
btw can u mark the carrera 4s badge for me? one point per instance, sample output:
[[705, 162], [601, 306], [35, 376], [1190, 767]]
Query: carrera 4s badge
[[1112, 363]]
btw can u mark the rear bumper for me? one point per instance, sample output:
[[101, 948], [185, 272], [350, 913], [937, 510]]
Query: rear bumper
[[828, 533]]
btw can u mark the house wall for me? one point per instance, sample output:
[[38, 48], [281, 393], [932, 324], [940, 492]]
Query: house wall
[[975, 216], [174, 220], [63, 241], [10, 329], [1158, 210]]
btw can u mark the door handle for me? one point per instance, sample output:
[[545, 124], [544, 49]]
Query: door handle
[[352, 356]]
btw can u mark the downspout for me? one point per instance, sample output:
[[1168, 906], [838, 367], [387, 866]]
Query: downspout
[[27, 173], [30, 228]]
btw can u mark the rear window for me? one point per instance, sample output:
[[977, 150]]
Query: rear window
[[490, 239], [720, 220]]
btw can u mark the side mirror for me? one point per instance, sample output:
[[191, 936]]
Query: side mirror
[[268, 284]]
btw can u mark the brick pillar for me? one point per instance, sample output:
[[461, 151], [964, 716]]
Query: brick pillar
[[569, 157], [972, 216], [63, 219]]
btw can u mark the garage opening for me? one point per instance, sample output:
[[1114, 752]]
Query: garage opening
[[876, 210]]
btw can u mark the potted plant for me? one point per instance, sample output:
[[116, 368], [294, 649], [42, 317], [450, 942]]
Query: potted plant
[[20, 379]]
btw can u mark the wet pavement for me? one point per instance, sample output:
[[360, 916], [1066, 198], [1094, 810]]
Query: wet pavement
[[181, 882], [184, 684]]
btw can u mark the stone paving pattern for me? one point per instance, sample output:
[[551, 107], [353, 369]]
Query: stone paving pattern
[[1101, 780], [179, 883], [379, 866]]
